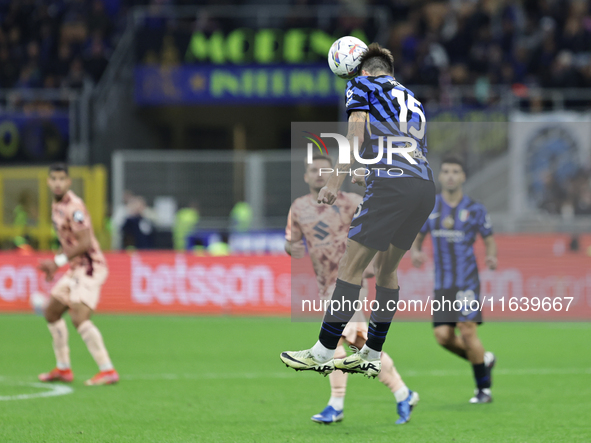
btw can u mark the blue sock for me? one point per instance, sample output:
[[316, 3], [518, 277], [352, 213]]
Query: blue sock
[[481, 376]]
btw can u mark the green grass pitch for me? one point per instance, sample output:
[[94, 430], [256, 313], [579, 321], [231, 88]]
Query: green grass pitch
[[207, 379]]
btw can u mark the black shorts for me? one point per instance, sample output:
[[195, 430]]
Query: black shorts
[[393, 211], [447, 315]]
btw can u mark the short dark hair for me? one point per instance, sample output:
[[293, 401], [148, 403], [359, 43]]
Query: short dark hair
[[57, 167], [318, 157], [377, 59], [454, 159]]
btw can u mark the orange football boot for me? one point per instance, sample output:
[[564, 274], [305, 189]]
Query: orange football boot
[[103, 378], [65, 375]]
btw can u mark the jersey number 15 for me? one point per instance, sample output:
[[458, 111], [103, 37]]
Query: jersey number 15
[[413, 105]]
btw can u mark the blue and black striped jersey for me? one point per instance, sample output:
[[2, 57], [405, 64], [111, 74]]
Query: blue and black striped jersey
[[393, 110], [453, 231]]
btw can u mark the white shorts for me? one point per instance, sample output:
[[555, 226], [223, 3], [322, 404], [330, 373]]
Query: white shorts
[[76, 286]]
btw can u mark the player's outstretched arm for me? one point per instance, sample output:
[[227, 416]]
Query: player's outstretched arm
[[491, 252], [417, 256], [328, 194]]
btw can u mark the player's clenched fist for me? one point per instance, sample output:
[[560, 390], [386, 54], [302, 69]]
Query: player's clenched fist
[[327, 196], [491, 262], [298, 250], [359, 177], [48, 267], [418, 258]]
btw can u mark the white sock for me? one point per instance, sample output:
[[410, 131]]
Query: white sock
[[337, 402], [370, 354], [321, 353], [401, 394], [106, 367], [63, 366]]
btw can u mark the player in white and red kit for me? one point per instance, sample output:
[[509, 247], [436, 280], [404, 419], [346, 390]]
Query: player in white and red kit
[[78, 290], [325, 229]]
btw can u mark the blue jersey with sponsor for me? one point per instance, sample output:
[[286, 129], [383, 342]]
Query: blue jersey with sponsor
[[393, 111], [453, 231]]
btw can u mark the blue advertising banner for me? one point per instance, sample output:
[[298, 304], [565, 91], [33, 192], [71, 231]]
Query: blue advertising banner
[[34, 136], [252, 84]]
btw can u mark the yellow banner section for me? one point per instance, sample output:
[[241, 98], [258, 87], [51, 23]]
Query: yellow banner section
[[25, 203]]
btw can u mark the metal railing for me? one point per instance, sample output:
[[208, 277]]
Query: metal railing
[[216, 180]]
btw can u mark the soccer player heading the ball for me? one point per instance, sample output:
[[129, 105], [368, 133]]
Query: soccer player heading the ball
[[78, 290], [325, 230], [399, 197], [455, 222]]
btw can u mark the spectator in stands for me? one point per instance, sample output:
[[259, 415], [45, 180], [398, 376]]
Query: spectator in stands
[[536, 43], [77, 77], [499, 42], [43, 39], [62, 65], [138, 229], [185, 222], [96, 60], [121, 212], [98, 20], [241, 217]]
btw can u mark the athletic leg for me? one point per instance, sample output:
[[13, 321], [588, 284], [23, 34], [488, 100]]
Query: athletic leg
[[338, 383], [447, 338], [472, 343], [59, 332], [351, 267], [80, 314], [333, 412], [475, 353], [338, 313], [416, 200], [390, 377], [367, 360], [406, 399], [387, 294]]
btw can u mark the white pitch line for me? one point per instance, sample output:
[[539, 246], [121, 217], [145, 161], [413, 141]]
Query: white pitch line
[[54, 390]]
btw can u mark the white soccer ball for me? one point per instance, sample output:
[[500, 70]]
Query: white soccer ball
[[344, 55], [39, 302]]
